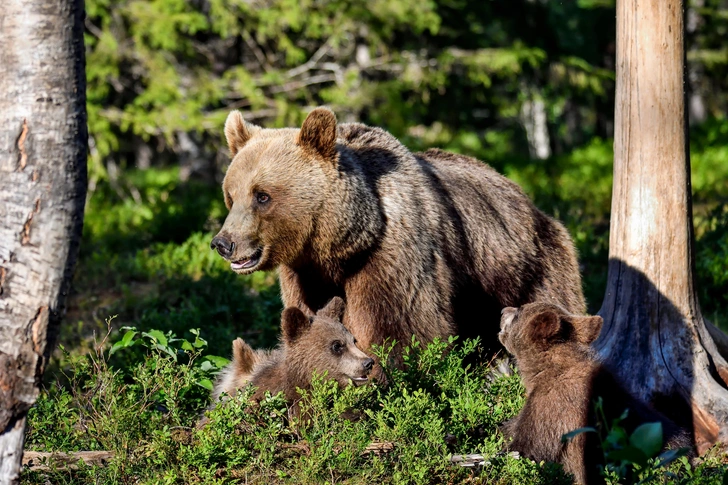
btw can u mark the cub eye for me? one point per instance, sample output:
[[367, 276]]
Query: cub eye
[[337, 347], [262, 197]]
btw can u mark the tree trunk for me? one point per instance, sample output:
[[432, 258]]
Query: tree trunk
[[534, 120], [43, 142], [654, 337]]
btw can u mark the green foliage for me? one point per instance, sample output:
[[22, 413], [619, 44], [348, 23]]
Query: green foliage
[[103, 408], [712, 265], [153, 267], [146, 413], [160, 68], [405, 432], [636, 458]]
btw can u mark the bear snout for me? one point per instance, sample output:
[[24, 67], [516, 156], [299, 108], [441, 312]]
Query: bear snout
[[507, 315], [223, 245], [368, 364]]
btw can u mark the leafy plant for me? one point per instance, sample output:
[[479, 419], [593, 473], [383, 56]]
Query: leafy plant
[[633, 458]]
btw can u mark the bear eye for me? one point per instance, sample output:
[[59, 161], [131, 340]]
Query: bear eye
[[262, 197], [337, 347]]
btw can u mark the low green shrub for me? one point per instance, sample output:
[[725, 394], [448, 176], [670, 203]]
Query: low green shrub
[[402, 433]]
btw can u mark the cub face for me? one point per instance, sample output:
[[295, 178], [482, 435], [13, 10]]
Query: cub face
[[275, 188], [541, 326], [321, 344]]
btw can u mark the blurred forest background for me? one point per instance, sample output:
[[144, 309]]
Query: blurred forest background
[[524, 85]]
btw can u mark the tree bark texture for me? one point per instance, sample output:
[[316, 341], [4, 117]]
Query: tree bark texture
[[43, 141], [654, 336]]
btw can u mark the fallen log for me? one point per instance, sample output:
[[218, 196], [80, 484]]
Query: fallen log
[[47, 461]]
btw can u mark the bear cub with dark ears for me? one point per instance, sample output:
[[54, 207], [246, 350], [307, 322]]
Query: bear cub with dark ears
[[563, 378], [309, 344]]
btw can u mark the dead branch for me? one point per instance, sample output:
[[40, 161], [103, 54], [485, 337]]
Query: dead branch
[[477, 460], [292, 86], [378, 448], [263, 60], [311, 63]]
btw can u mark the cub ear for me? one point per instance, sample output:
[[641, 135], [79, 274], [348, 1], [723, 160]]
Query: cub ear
[[238, 132], [243, 356], [587, 328], [294, 323], [545, 326], [318, 133], [334, 309]]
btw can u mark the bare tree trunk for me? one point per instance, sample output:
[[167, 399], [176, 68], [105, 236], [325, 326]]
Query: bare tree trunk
[[43, 141], [534, 120], [654, 336]]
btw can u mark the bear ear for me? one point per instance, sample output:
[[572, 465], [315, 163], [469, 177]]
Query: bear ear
[[243, 356], [238, 132], [334, 309], [294, 324], [545, 326], [587, 328], [318, 133]]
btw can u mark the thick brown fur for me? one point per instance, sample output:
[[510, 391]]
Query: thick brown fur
[[238, 373], [309, 344], [563, 379], [426, 244]]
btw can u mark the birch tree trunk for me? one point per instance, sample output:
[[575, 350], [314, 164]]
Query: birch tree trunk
[[654, 336], [43, 142]]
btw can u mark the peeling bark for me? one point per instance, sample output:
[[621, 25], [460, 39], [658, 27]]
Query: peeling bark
[[42, 193], [654, 336], [23, 161]]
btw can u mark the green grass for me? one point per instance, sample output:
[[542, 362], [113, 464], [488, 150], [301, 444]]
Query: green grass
[[435, 407]]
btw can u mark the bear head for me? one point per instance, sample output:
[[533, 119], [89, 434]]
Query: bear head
[[274, 189], [321, 344], [538, 327]]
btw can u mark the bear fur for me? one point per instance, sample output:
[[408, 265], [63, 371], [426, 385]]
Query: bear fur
[[238, 373], [418, 244], [563, 378], [309, 344]]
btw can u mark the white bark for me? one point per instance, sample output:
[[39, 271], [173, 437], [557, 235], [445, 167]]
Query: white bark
[[534, 119], [42, 188]]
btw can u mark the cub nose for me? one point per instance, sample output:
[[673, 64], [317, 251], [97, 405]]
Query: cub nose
[[368, 364], [223, 245], [508, 310]]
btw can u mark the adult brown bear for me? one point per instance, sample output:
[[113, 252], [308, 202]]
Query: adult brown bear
[[426, 244]]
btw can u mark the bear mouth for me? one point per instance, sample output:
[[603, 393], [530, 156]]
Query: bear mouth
[[358, 381], [247, 263]]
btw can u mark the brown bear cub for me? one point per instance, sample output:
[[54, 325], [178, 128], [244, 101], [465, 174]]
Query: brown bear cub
[[415, 243], [317, 344], [563, 378]]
